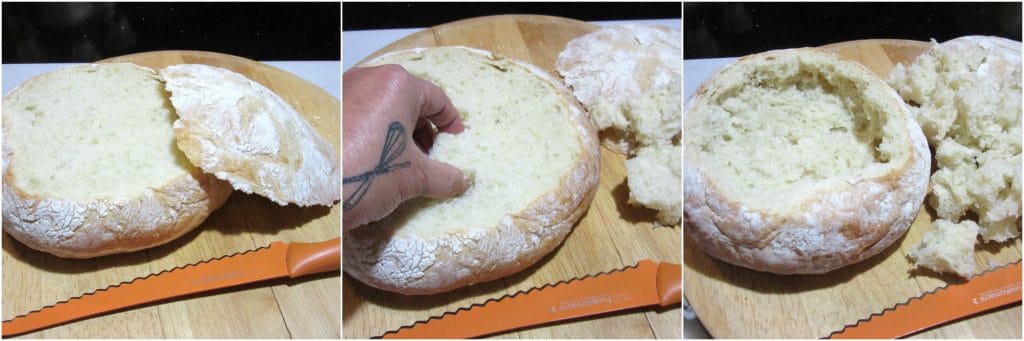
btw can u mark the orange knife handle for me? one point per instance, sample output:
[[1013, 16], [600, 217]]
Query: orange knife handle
[[670, 283], [313, 258]]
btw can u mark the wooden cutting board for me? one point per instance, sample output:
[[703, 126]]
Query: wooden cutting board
[[300, 308], [611, 235], [735, 302]]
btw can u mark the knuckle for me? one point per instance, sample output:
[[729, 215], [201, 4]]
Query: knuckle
[[394, 72]]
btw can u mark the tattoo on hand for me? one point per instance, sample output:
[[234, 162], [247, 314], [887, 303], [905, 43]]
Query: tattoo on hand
[[394, 145]]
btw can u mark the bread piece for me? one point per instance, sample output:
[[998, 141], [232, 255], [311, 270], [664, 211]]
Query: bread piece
[[656, 116], [628, 77], [242, 132], [800, 161], [610, 68], [948, 248], [966, 94], [654, 177], [90, 167], [535, 158]]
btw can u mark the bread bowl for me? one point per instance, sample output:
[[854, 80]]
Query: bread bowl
[[94, 170], [533, 153], [799, 161]]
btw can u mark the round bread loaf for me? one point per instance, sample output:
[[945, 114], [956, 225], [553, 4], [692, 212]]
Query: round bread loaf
[[800, 161], [533, 153], [90, 166], [242, 132]]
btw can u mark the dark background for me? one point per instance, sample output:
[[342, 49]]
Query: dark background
[[736, 29], [364, 16], [86, 32]]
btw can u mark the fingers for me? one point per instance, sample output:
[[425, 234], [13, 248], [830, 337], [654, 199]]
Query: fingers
[[436, 107], [442, 180], [423, 135]]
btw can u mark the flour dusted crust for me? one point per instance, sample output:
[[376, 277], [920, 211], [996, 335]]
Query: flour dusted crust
[[612, 66], [84, 228], [244, 133], [419, 265], [628, 77], [835, 222]]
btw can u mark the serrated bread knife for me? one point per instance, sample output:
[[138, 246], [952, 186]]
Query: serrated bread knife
[[277, 260], [992, 289], [645, 284]]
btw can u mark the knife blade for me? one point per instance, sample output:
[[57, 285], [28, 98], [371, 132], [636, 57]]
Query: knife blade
[[645, 284], [989, 290], [277, 260]]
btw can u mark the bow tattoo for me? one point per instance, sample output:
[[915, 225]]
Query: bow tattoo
[[394, 145]]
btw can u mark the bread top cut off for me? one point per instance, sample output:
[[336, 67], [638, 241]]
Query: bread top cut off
[[242, 132], [800, 161]]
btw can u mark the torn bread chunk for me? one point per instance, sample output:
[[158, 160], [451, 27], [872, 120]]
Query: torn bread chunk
[[948, 249], [654, 177], [966, 94]]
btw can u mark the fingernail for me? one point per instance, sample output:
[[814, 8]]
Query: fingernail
[[468, 178]]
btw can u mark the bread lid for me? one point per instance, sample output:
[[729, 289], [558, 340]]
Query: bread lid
[[242, 132], [628, 78]]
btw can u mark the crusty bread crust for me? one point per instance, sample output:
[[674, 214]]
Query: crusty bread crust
[[417, 265], [76, 229], [84, 229], [610, 66], [844, 221], [242, 132]]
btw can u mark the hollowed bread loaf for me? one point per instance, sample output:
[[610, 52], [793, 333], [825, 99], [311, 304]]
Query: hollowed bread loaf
[[800, 161], [534, 156], [90, 165]]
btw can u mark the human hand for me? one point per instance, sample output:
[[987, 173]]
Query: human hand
[[381, 168]]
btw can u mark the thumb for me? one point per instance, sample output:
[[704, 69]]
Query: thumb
[[443, 180]]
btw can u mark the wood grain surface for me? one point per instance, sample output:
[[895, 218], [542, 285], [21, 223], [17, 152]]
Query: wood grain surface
[[611, 235], [300, 308], [735, 302]]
